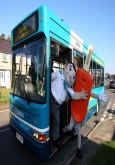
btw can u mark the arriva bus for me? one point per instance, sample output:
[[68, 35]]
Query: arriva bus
[[41, 42]]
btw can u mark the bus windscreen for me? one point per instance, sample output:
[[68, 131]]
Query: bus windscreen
[[26, 28]]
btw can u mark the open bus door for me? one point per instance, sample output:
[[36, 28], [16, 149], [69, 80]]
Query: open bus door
[[60, 56]]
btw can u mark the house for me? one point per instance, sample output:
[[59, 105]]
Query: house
[[5, 63]]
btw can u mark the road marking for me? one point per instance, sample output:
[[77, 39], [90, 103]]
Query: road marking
[[109, 113], [4, 130], [102, 119], [110, 117], [104, 115], [106, 111]]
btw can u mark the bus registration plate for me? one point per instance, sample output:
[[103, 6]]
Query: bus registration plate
[[19, 137]]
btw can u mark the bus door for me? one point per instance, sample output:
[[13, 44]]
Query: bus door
[[60, 56]]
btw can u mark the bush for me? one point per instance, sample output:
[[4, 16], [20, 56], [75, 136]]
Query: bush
[[4, 95]]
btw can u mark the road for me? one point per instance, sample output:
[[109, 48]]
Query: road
[[12, 152]]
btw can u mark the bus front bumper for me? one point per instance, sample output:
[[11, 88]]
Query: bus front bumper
[[40, 149]]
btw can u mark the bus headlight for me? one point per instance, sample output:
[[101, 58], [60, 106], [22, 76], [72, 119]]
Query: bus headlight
[[39, 136]]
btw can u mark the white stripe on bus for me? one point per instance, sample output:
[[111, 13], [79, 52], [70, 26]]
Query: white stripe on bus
[[28, 124]]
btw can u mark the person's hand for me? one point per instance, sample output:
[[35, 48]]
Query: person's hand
[[103, 97], [80, 95]]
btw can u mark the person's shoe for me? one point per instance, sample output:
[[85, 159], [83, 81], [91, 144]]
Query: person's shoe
[[58, 143], [79, 154], [73, 135]]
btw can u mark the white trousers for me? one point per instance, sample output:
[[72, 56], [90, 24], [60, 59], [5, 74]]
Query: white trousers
[[77, 127]]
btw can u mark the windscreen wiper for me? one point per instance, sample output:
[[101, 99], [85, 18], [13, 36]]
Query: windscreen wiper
[[26, 97]]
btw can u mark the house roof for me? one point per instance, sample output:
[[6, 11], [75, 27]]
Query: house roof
[[5, 46]]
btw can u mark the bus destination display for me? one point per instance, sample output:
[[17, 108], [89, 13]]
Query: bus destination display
[[26, 28]]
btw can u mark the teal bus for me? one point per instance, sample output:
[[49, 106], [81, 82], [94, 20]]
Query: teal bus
[[42, 42]]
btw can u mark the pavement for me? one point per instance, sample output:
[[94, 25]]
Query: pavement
[[102, 132], [4, 106]]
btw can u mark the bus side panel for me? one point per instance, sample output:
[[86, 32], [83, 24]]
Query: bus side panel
[[89, 114], [92, 106]]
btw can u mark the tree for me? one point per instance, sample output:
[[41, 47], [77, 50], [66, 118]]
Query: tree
[[107, 76], [2, 36], [9, 38]]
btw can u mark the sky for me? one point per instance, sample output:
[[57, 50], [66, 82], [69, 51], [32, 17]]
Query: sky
[[92, 20]]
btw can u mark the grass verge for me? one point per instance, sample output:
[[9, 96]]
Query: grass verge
[[4, 95], [105, 154]]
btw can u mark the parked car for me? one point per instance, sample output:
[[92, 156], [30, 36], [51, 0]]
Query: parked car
[[111, 85]]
